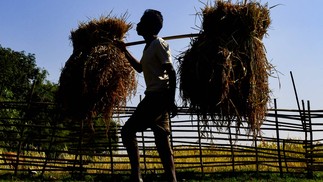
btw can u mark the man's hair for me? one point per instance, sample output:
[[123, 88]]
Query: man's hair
[[155, 18]]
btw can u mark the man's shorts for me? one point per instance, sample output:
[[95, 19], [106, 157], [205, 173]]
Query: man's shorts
[[151, 112]]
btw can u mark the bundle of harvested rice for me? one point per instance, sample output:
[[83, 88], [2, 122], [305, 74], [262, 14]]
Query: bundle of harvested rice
[[224, 74], [97, 77]]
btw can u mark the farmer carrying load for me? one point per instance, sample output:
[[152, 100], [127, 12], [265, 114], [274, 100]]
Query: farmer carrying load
[[153, 111]]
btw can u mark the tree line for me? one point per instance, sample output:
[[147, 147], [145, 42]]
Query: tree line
[[21, 80]]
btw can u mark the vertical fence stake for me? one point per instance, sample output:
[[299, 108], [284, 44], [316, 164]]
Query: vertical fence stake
[[297, 101], [306, 142], [79, 152], [52, 139], [144, 150], [171, 132], [111, 153], [23, 126], [278, 140], [257, 156], [200, 144], [232, 152], [19, 146], [311, 147], [284, 152]]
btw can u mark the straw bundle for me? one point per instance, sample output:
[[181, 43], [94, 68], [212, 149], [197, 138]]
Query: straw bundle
[[224, 73], [97, 77]]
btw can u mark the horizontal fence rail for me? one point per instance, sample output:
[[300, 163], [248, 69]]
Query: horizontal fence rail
[[33, 139]]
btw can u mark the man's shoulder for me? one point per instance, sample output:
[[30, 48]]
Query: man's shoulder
[[160, 42]]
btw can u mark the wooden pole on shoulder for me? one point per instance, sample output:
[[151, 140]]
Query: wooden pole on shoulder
[[165, 38]]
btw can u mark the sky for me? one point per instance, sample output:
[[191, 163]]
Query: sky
[[294, 42]]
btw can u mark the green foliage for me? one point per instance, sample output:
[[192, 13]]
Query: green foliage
[[96, 140], [22, 81], [18, 72]]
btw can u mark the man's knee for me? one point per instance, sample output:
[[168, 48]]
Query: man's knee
[[162, 140], [124, 131], [127, 134]]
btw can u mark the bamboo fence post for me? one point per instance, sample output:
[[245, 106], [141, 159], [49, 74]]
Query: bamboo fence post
[[52, 139], [111, 154], [24, 126], [297, 101], [81, 149], [257, 156], [278, 140], [200, 144], [144, 150], [171, 132], [232, 151], [284, 152], [79, 152], [306, 142], [19, 148], [311, 147]]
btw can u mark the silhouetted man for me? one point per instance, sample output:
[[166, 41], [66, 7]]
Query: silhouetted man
[[153, 111]]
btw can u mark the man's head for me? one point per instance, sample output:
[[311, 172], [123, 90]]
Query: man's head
[[150, 23]]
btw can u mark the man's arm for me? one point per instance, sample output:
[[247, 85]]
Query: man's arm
[[172, 89], [172, 79], [132, 60]]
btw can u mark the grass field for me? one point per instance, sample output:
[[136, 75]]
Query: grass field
[[215, 165], [182, 176]]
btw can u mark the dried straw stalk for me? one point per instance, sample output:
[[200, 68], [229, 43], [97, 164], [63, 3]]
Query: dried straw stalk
[[97, 77], [224, 74]]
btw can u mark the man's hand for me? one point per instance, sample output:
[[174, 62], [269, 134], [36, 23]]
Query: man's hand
[[172, 110], [133, 61], [120, 44]]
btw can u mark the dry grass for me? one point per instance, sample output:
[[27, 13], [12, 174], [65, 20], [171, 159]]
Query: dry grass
[[215, 160], [224, 74], [97, 77]]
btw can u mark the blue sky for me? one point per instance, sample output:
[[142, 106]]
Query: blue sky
[[294, 42]]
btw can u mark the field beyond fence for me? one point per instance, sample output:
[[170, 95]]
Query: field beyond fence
[[34, 141]]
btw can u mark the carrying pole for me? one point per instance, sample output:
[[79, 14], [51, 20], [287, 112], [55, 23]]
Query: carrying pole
[[166, 38]]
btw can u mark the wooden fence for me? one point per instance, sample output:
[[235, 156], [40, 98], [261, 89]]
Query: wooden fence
[[291, 142]]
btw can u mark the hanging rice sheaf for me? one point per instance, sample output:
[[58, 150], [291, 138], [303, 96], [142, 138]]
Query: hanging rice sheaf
[[224, 74], [97, 77]]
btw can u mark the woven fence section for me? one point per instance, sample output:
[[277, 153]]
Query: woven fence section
[[34, 139]]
